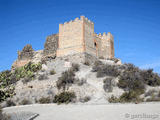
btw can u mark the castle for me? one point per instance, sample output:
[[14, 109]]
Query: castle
[[78, 36], [75, 37]]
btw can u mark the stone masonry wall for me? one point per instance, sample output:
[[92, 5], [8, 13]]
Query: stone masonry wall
[[90, 47], [51, 45], [70, 37]]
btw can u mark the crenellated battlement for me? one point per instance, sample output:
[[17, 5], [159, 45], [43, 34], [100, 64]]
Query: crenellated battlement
[[77, 19]]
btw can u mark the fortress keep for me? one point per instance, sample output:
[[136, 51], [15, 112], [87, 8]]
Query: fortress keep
[[78, 36], [75, 38]]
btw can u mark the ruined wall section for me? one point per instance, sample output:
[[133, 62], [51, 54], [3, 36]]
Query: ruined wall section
[[90, 44], [51, 45], [70, 38]]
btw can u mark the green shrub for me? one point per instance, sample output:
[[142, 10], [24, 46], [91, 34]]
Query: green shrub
[[75, 67], [45, 100], [64, 97], [7, 77], [52, 72], [108, 84], [67, 78], [4, 94]]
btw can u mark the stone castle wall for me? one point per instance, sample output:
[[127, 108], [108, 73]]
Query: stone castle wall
[[90, 47], [78, 36], [70, 38], [74, 37], [51, 45]]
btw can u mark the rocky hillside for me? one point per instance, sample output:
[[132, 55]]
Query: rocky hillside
[[70, 79]]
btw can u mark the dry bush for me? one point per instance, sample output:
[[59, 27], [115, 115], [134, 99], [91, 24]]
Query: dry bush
[[85, 99], [150, 78], [150, 93], [25, 102], [67, 78], [126, 97], [108, 84], [86, 63], [52, 72], [64, 97], [45, 100], [43, 77], [75, 67], [130, 79], [105, 69], [10, 103]]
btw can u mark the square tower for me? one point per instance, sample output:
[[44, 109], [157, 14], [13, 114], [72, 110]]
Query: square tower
[[76, 37], [70, 38]]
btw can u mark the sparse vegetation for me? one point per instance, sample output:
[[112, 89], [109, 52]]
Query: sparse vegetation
[[25, 102], [10, 103], [75, 67], [4, 94], [86, 63], [159, 94], [45, 100], [150, 78], [105, 69], [43, 77], [130, 96], [150, 93], [153, 99], [113, 99], [67, 78], [108, 84], [64, 97], [81, 82], [7, 77], [85, 99], [131, 80], [52, 72]]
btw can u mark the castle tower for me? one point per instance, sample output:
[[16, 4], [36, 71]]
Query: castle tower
[[78, 37], [107, 45]]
